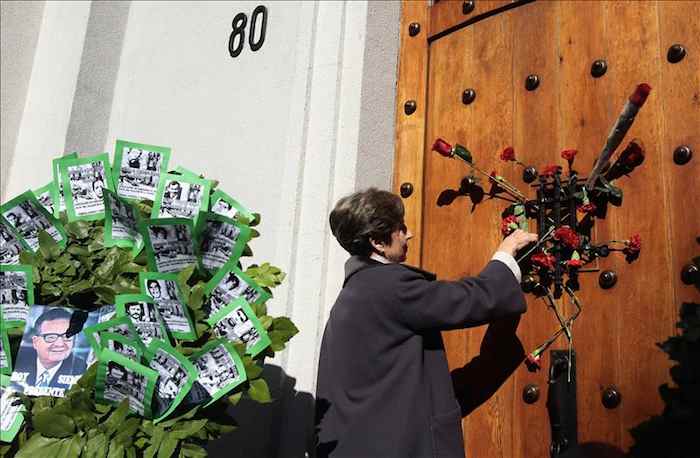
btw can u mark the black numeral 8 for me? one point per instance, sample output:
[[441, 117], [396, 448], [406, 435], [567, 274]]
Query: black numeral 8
[[237, 39]]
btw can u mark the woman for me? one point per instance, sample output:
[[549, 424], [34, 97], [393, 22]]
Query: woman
[[384, 388]]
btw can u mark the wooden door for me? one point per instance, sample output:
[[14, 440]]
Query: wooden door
[[499, 47]]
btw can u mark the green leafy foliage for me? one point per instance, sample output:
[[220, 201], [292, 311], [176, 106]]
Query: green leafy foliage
[[86, 274], [673, 433]]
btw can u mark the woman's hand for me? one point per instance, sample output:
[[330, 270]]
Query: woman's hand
[[517, 240]]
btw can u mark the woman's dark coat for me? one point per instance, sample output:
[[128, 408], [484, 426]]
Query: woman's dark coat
[[384, 388]]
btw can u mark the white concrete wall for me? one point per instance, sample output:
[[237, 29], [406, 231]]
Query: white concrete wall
[[287, 130]]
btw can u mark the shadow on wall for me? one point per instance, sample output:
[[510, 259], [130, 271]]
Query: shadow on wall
[[283, 428]]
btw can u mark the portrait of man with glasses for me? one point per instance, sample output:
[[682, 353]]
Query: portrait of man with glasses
[[49, 364]]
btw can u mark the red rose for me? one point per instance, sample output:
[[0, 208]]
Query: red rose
[[509, 224], [633, 155], [640, 94], [543, 260], [574, 263], [549, 170], [567, 236], [588, 208], [633, 245], [442, 147], [508, 154], [569, 155]]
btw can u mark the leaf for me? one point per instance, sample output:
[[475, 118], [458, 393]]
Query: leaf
[[156, 439], [105, 293], [285, 325], [174, 420], [235, 398], [259, 391], [183, 430], [193, 451], [40, 446], [48, 246], [27, 257], [127, 431], [78, 250], [167, 447], [71, 447], [78, 229], [116, 450], [96, 446], [266, 321], [117, 417], [184, 275], [196, 296]]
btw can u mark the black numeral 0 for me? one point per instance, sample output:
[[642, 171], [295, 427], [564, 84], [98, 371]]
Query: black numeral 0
[[255, 45], [238, 24]]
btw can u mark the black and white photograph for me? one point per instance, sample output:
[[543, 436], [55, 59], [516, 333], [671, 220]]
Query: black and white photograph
[[11, 408], [230, 287], [217, 369], [146, 319], [238, 327], [164, 294], [123, 383], [173, 376], [128, 350], [45, 198], [10, 245], [14, 295], [180, 197], [4, 360], [224, 208], [172, 247], [123, 223], [139, 170], [27, 221], [218, 242], [87, 182]]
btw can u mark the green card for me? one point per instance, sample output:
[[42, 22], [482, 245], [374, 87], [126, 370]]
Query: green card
[[16, 294], [181, 196], [120, 378], [219, 368], [225, 205], [169, 244], [5, 350], [165, 291], [237, 322], [47, 195], [131, 348], [121, 223], [11, 245], [228, 284], [137, 169], [144, 314], [27, 217], [177, 374], [118, 325], [221, 239], [59, 204], [11, 411], [84, 180]]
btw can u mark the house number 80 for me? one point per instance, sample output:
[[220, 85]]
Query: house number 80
[[237, 39]]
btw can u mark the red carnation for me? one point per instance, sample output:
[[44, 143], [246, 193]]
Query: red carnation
[[569, 155], [640, 94], [588, 208], [442, 147], [567, 236], [633, 245], [633, 155], [574, 263], [549, 170], [508, 154], [533, 362], [543, 260], [509, 224]]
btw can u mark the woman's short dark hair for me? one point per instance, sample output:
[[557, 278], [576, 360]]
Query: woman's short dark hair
[[369, 214]]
